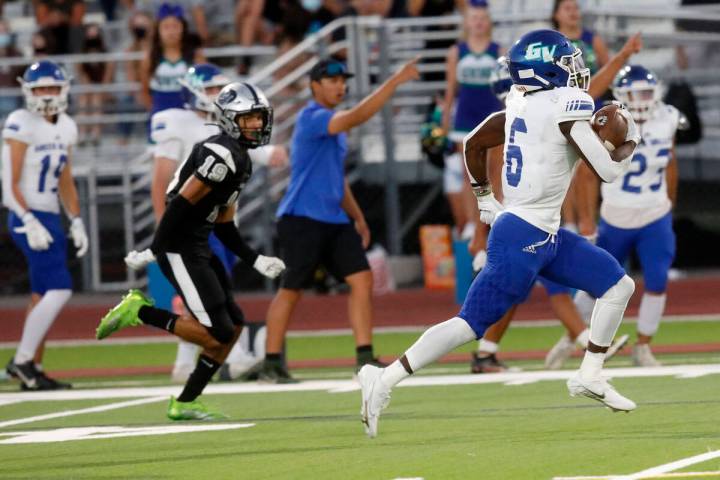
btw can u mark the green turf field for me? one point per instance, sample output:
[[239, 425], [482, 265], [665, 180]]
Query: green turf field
[[531, 429]]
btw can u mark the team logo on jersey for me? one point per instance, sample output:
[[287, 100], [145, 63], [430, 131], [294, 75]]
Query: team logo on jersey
[[537, 50]]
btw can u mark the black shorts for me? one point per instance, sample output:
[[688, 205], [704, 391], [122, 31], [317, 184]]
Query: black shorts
[[306, 244], [205, 288]]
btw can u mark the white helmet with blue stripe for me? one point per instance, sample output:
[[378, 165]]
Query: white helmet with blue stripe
[[45, 74]]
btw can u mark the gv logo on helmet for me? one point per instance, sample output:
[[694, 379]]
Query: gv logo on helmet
[[537, 50]]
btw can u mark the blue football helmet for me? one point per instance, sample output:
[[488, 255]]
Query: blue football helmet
[[639, 89], [500, 80], [546, 59], [197, 80], [45, 74]]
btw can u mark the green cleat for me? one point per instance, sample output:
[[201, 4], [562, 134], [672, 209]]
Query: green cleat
[[194, 410], [124, 314]]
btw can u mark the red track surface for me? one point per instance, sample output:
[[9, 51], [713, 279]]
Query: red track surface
[[415, 307]]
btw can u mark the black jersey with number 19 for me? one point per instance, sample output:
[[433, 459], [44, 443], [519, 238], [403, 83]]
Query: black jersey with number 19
[[220, 162]]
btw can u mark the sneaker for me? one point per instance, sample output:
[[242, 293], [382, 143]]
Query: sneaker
[[616, 346], [600, 390], [275, 374], [643, 356], [559, 353], [486, 364], [124, 314], [375, 398], [55, 384], [194, 410], [30, 378], [180, 373], [375, 362]]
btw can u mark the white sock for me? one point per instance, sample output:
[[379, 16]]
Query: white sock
[[38, 322], [241, 349], [651, 311], [433, 344], [584, 304], [486, 346], [609, 310], [582, 339], [591, 365], [186, 353]]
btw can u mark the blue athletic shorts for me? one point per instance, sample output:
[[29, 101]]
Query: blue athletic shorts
[[654, 244], [517, 253], [48, 269]]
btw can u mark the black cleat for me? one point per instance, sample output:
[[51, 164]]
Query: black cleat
[[486, 364], [55, 384], [275, 374], [29, 376]]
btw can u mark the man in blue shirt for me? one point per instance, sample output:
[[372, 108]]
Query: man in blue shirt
[[320, 223]]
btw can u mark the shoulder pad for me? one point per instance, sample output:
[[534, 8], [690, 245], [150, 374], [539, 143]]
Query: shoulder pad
[[223, 153], [163, 125], [574, 104]]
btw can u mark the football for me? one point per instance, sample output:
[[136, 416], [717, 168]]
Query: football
[[610, 126]]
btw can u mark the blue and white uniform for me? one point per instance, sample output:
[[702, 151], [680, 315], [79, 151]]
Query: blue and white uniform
[[526, 239], [47, 153], [635, 210]]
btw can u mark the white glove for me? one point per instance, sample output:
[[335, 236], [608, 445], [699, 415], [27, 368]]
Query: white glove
[[79, 236], [489, 207], [633, 132], [270, 267], [479, 261], [139, 260], [38, 237]]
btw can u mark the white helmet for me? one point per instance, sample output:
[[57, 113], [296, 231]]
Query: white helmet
[[639, 89], [45, 74], [241, 98]]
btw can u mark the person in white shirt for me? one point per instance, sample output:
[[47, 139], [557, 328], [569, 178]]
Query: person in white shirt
[[37, 145]]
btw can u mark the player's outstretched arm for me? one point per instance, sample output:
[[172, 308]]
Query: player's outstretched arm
[[177, 211], [608, 166], [600, 82]]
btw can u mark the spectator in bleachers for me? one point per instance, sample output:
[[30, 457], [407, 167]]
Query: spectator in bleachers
[[197, 19], [42, 43], [63, 19], [566, 19], [171, 53], [435, 8], [470, 63], [140, 26], [97, 73], [250, 19], [8, 75]]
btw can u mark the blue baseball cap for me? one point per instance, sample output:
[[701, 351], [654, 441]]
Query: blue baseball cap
[[329, 68]]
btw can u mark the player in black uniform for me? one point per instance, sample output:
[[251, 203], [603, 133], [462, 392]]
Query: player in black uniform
[[202, 198]]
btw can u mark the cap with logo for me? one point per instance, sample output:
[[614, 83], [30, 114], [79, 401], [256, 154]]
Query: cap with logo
[[329, 68]]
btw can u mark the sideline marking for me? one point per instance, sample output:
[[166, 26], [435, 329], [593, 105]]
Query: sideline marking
[[70, 413], [94, 433], [661, 471], [351, 385]]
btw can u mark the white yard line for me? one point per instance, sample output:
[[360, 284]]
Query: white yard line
[[661, 471], [70, 413], [350, 385], [346, 331]]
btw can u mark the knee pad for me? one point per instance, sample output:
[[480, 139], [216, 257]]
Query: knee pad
[[222, 328], [620, 293]]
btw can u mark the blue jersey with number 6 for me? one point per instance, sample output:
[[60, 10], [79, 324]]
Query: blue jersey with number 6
[[640, 196], [539, 161], [48, 147]]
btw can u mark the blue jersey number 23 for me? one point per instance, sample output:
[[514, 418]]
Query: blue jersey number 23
[[513, 155]]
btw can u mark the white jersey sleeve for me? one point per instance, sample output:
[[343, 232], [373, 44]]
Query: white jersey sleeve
[[165, 135], [573, 104], [69, 129], [19, 126]]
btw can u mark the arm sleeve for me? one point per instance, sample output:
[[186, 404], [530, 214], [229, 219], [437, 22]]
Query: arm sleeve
[[574, 104], [17, 127], [230, 237], [598, 156], [175, 214]]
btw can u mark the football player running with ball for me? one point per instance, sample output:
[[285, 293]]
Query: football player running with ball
[[636, 209], [203, 200], [545, 128], [36, 173]]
